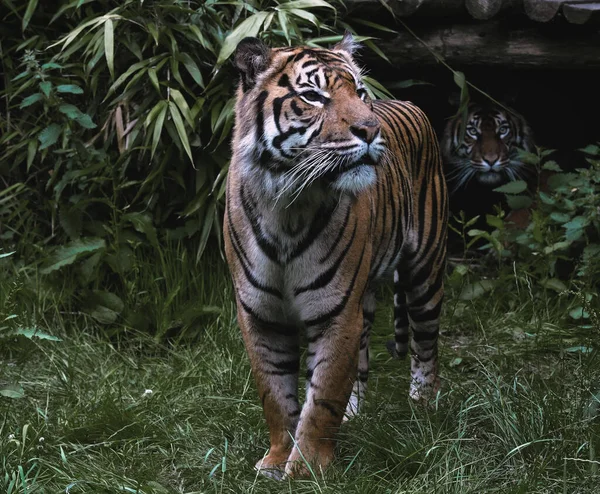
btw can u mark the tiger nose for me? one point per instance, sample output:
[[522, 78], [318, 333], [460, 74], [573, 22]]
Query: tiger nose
[[366, 131]]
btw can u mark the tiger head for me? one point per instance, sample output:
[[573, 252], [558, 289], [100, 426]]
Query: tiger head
[[488, 151], [303, 115]]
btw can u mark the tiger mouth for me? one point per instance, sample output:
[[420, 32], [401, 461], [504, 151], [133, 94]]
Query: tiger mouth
[[347, 167]]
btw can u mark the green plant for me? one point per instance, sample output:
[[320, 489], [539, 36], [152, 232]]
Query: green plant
[[116, 125], [562, 238]]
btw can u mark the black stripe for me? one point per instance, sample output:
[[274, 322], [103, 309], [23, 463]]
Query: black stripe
[[330, 408], [325, 278], [273, 326], [268, 248], [337, 310]]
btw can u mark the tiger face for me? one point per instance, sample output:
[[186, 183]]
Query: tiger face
[[315, 119], [488, 152]]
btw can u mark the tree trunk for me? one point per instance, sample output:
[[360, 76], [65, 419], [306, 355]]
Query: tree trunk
[[492, 44]]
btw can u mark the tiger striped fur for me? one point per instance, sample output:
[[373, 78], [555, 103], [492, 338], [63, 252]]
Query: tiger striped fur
[[487, 151], [328, 192]]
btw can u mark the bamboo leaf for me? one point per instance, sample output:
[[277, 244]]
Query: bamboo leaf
[[31, 6], [178, 121], [209, 218], [183, 106], [283, 23], [307, 16], [154, 78], [192, 68], [109, 46], [158, 126], [249, 27], [31, 150], [305, 4]]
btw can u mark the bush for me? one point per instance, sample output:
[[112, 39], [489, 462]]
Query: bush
[[118, 114], [561, 241]]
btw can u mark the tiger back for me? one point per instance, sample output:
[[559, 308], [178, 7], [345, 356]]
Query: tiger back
[[328, 193]]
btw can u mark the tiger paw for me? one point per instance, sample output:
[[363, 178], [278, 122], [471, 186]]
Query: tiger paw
[[310, 462], [272, 466], [423, 392]]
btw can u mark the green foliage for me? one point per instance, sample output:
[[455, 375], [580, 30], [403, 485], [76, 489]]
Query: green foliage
[[561, 242], [116, 125]]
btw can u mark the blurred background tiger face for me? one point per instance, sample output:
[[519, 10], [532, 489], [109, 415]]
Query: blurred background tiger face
[[487, 153], [306, 116]]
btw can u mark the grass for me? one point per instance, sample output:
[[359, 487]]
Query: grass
[[174, 409]]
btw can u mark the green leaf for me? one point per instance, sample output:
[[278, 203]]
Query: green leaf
[[154, 78], [249, 27], [494, 221], [578, 313], [591, 149], [109, 46], [564, 244], [177, 120], [31, 151], [183, 106], [74, 113], [514, 187], [51, 65], [30, 333], [46, 87], [209, 218], [106, 306], [14, 391], [579, 349], [407, 83], [31, 6], [158, 126], [69, 253], [476, 290], [554, 284], [546, 199], [304, 4], [143, 224], [575, 227], [192, 68], [455, 362], [552, 166], [69, 88], [30, 100], [49, 135], [518, 202], [560, 217], [69, 110]]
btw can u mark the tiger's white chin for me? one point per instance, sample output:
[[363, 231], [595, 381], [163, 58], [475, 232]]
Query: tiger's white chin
[[355, 180], [490, 178]]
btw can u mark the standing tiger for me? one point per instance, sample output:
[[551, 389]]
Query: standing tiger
[[487, 152], [327, 193]]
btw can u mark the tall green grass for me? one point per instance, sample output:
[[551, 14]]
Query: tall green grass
[[108, 409]]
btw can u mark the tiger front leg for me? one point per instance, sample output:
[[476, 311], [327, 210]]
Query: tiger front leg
[[274, 356], [332, 367]]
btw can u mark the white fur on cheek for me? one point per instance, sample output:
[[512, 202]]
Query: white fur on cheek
[[356, 180]]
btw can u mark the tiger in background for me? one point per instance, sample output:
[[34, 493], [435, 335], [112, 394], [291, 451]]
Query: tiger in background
[[483, 154], [328, 192], [488, 151]]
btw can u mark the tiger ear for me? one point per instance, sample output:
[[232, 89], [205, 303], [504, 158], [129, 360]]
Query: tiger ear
[[251, 58], [347, 44]]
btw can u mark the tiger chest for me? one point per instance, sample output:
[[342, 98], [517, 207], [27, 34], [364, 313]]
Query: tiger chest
[[293, 268]]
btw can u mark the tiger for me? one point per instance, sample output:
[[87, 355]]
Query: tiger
[[486, 148], [328, 192]]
